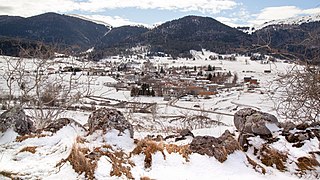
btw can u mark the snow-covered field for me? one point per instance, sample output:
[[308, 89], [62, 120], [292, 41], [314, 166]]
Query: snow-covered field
[[50, 149]]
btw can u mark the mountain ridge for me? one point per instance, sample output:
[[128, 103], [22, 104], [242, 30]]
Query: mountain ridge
[[176, 37]]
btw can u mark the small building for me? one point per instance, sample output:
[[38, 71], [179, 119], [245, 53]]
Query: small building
[[246, 79], [212, 87]]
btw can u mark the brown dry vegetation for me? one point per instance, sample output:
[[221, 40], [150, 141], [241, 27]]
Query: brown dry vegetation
[[121, 164], [31, 149], [22, 138], [148, 147], [80, 140], [257, 167], [184, 150], [7, 174], [145, 178], [270, 157], [79, 162], [307, 163]]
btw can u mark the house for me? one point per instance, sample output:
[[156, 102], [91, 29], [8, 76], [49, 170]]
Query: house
[[250, 82], [211, 87], [254, 81], [96, 72], [51, 70], [206, 93], [246, 79]]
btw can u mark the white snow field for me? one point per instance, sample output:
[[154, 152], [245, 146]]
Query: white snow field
[[50, 149]]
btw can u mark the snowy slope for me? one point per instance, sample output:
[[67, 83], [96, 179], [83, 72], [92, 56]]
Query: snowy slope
[[289, 21], [92, 20]]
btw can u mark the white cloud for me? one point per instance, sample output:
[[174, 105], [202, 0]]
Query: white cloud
[[114, 21], [205, 6], [33, 7], [232, 22], [282, 12]]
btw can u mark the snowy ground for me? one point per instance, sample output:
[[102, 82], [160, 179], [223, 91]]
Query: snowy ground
[[51, 149]]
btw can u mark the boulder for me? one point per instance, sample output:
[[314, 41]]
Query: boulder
[[17, 119], [106, 119], [186, 132], [287, 126], [56, 125], [220, 147], [244, 142], [303, 126], [250, 121]]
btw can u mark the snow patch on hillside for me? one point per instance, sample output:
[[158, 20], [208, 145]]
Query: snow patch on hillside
[[290, 21]]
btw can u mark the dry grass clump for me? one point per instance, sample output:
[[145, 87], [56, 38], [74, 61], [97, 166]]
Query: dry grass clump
[[31, 149], [27, 136], [121, 164], [7, 174], [184, 150], [257, 167], [307, 163], [79, 162], [270, 157], [80, 140], [145, 178], [148, 147]]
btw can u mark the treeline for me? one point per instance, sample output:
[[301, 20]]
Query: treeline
[[144, 90]]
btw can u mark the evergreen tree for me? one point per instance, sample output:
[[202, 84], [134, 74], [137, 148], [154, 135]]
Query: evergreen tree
[[153, 93], [162, 70]]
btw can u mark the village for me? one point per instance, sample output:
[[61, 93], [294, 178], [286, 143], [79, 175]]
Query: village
[[145, 76]]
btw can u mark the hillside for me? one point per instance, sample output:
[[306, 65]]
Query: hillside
[[298, 40], [292, 39], [54, 29], [122, 36], [194, 32]]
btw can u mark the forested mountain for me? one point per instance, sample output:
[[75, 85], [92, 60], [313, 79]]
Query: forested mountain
[[176, 37], [53, 28]]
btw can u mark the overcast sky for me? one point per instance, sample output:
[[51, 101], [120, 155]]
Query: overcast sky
[[150, 12]]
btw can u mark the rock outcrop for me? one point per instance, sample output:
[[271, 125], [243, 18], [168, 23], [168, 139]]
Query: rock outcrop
[[250, 122], [220, 147], [17, 119], [106, 119], [254, 122], [56, 125]]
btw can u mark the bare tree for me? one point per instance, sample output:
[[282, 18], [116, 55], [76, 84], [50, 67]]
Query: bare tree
[[300, 94], [299, 97], [46, 94]]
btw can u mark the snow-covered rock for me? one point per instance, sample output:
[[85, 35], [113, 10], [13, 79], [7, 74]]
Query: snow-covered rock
[[220, 147], [250, 121], [56, 125], [107, 119], [17, 119]]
